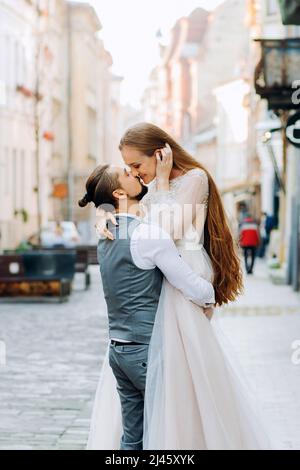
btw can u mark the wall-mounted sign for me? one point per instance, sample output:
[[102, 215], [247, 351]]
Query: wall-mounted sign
[[293, 130]]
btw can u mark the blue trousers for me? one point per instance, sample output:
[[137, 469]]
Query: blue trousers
[[129, 366]]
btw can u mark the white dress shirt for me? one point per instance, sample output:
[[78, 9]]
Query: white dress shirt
[[151, 247]]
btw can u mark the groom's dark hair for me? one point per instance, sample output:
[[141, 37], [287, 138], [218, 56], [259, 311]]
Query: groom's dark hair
[[100, 186]]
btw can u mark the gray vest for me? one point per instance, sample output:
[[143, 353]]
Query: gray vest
[[131, 294]]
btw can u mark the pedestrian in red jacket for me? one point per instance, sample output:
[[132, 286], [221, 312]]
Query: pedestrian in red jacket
[[249, 241]]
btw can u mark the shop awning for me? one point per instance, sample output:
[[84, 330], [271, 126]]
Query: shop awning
[[290, 11]]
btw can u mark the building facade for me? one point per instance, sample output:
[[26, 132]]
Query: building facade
[[277, 155], [59, 112], [199, 93], [169, 101]]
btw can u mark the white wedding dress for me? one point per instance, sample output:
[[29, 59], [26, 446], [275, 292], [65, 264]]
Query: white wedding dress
[[195, 396]]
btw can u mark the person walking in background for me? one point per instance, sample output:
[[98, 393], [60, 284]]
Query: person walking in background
[[249, 241], [270, 224], [267, 223], [263, 236]]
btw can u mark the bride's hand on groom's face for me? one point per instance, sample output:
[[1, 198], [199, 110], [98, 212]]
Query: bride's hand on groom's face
[[164, 165], [102, 217]]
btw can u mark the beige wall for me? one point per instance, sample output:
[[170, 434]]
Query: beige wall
[[79, 106]]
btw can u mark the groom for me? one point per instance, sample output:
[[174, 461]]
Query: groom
[[132, 268]]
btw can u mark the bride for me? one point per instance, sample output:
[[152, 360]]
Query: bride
[[195, 396]]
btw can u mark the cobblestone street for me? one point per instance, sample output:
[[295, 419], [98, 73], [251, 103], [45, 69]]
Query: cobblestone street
[[54, 354], [53, 357]]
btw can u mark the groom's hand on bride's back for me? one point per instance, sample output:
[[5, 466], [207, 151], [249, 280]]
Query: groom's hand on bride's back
[[208, 312]]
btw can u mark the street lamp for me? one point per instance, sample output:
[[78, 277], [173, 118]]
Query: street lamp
[[278, 72], [273, 79]]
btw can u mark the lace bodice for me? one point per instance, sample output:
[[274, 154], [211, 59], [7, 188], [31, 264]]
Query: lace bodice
[[182, 210]]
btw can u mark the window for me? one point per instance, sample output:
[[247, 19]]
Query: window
[[2, 93], [7, 61], [2, 173], [2, 58], [22, 65], [92, 130], [272, 7], [15, 189], [16, 63], [6, 171], [22, 173]]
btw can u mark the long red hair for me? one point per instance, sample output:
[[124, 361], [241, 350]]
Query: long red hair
[[218, 239]]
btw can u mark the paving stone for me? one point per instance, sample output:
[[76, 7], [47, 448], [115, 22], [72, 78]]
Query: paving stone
[[55, 353]]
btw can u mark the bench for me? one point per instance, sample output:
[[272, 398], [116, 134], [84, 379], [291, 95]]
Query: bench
[[82, 264], [85, 255], [37, 274], [92, 253]]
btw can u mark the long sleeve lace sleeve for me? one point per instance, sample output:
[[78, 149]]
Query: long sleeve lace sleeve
[[181, 210]]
